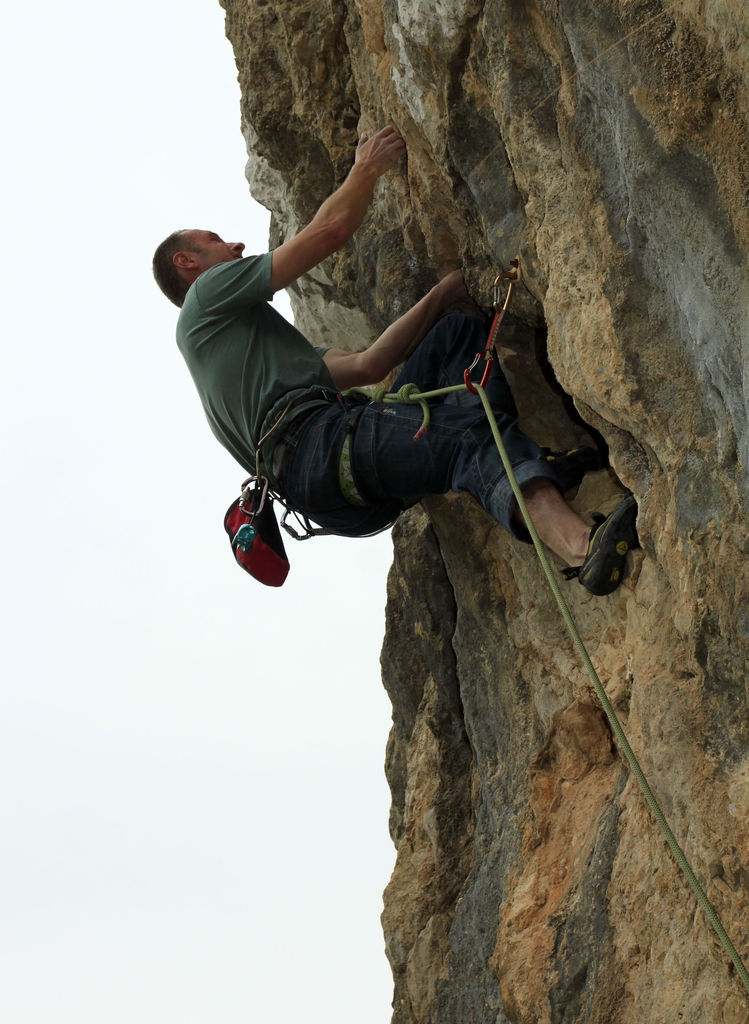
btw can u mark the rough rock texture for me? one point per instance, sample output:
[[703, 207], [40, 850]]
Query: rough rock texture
[[607, 144]]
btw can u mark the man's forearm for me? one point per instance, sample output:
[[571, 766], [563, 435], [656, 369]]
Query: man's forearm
[[341, 214], [397, 343], [394, 346], [347, 206]]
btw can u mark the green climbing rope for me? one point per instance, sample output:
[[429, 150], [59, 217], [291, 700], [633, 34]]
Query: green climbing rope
[[411, 394]]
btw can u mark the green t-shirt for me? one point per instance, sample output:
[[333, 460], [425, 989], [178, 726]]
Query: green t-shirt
[[247, 362]]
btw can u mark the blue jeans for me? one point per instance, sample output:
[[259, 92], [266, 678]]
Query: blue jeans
[[391, 469]]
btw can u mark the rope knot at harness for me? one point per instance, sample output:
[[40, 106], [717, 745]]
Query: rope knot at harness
[[410, 394]]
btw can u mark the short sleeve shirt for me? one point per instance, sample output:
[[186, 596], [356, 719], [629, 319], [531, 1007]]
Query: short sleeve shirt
[[246, 360]]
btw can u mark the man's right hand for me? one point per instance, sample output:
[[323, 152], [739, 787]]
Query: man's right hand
[[382, 151]]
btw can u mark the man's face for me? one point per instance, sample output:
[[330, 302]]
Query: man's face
[[209, 249]]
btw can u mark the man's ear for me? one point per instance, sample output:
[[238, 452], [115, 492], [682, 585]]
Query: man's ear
[[184, 260]]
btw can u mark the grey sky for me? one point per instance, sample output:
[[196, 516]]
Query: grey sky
[[193, 800]]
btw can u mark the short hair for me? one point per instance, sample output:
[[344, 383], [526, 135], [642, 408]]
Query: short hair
[[167, 276]]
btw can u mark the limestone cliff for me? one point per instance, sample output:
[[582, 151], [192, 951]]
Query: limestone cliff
[[607, 144]]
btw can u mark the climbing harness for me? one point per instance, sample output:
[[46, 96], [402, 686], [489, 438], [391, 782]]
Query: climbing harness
[[421, 397]]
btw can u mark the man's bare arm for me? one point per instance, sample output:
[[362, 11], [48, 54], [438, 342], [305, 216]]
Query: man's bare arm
[[397, 343], [341, 214]]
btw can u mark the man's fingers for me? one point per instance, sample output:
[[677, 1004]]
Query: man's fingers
[[387, 134], [383, 149]]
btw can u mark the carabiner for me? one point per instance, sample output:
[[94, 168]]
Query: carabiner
[[487, 370], [249, 495], [514, 276]]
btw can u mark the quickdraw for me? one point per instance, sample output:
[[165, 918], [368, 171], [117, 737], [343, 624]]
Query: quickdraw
[[514, 276]]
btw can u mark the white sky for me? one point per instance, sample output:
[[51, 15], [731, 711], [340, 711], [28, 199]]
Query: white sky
[[193, 801]]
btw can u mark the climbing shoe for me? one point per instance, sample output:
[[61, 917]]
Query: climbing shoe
[[572, 466], [610, 540]]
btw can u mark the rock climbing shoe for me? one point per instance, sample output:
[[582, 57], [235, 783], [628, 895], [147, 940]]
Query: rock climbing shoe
[[610, 540], [572, 466]]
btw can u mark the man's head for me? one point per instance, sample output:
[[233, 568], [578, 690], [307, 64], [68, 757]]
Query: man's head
[[184, 255]]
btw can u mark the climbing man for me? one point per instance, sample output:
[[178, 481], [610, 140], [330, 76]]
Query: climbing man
[[263, 386]]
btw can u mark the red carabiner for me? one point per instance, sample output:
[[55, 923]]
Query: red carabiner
[[487, 370]]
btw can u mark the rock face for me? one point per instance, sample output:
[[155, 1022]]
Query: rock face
[[606, 144]]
